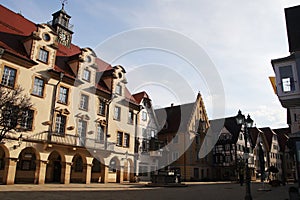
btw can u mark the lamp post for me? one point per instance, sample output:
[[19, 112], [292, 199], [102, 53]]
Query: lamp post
[[247, 123]]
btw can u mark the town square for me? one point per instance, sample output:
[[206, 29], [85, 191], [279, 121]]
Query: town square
[[141, 100]]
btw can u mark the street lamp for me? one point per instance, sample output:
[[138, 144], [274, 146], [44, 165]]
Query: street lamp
[[247, 123]]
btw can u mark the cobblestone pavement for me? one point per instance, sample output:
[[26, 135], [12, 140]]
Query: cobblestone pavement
[[195, 191]]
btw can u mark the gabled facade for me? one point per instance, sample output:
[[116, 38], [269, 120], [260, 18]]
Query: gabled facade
[[147, 146], [83, 123], [228, 153], [273, 153], [182, 137]]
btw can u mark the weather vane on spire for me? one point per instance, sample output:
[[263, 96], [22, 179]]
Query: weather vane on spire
[[63, 2]]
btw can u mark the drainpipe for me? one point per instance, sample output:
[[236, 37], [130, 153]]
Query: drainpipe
[[135, 138], [61, 75]]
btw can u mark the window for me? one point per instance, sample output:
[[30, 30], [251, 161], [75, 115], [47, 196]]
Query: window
[[126, 140], [112, 166], [175, 155], [27, 162], [117, 113], [100, 134], [145, 145], [227, 159], [241, 136], [144, 116], [43, 55], [84, 102], [287, 80], [38, 87], [63, 95], [144, 133], [119, 139], [130, 117], [60, 124], [227, 147], [8, 77], [27, 120], [102, 107], [152, 133], [119, 89], [86, 75], [82, 128]]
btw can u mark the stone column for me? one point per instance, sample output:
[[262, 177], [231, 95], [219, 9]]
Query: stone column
[[10, 171], [106, 170], [67, 172], [42, 171], [88, 173]]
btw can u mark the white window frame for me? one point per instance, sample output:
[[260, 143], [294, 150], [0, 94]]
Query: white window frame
[[118, 89], [63, 95], [38, 87], [9, 77], [60, 124], [86, 75], [84, 102], [43, 55], [117, 113]]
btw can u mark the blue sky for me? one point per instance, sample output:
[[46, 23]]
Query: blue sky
[[239, 37]]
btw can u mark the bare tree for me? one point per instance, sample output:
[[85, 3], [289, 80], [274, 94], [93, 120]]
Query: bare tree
[[14, 106]]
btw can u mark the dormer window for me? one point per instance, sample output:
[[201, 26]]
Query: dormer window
[[119, 89], [43, 55], [86, 75], [287, 79]]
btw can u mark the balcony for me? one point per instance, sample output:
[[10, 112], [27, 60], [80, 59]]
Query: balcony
[[157, 153], [70, 140]]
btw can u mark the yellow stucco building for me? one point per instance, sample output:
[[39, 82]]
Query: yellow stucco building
[[83, 124]]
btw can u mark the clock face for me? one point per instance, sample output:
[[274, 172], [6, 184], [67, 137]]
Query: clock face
[[63, 38]]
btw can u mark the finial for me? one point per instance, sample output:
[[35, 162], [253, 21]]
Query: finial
[[63, 2]]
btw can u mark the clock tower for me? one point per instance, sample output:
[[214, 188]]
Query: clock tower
[[63, 28]]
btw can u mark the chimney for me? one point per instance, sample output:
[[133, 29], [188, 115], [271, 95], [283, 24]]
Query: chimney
[[172, 104]]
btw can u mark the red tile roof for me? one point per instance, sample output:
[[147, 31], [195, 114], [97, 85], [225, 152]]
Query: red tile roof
[[14, 28], [129, 97], [13, 23], [140, 96]]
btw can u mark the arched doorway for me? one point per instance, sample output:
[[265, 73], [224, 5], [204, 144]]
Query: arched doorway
[[97, 172], [114, 171], [2, 165], [78, 171], [54, 168], [27, 166]]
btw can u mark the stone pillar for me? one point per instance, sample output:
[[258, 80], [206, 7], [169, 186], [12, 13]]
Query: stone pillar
[[121, 174], [10, 171], [88, 173], [106, 170], [67, 172], [42, 171]]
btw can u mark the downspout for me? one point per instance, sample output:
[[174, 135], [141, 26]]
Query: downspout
[[136, 155], [61, 75]]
